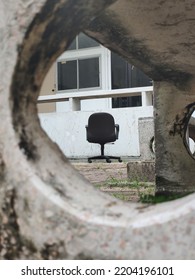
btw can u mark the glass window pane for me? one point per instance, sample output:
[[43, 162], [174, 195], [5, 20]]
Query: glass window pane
[[89, 73], [124, 75], [139, 79], [72, 45], [86, 42], [120, 72], [132, 101], [67, 75]]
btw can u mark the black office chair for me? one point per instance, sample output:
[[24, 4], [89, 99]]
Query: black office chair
[[101, 129]]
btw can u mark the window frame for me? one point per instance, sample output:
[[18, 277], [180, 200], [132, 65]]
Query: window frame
[[86, 53]]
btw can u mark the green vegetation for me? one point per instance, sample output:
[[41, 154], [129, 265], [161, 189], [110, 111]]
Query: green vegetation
[[153, 199], [135, 191], [121, 196]]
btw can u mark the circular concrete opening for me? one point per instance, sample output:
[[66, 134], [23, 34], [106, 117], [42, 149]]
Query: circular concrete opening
[[152, 145], [70, 212], [190, 135]]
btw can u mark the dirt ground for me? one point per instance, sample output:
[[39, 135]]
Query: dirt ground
[[98, 172], [112, 178]]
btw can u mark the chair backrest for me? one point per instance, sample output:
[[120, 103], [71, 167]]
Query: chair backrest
[[101, 128]]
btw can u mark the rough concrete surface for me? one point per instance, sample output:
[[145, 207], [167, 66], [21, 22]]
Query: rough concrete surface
[[47, 209], [143, 171], [146, 138], [98, 172]]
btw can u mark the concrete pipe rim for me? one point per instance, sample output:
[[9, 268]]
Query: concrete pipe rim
[[40, 48]]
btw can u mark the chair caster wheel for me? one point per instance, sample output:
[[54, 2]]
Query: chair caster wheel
[[120, 160], [89, 160], [108, 160]]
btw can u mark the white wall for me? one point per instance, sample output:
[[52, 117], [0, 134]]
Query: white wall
[[93, 104], [67, 129]]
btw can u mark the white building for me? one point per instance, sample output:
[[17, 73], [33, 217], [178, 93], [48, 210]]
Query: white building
[[87, 78]]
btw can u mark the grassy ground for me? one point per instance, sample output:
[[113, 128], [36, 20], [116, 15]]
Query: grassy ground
[[134, 191], [127, 190], [112, 179]]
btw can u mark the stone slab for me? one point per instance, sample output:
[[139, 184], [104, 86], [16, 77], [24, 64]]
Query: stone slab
[[141, 171]]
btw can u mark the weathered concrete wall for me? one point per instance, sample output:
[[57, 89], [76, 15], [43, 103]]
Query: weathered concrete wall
[[174, 164], [146, 138], [143, 171], [71, 126], [48, 210]]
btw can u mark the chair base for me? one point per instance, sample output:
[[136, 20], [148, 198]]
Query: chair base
[[107, 158]]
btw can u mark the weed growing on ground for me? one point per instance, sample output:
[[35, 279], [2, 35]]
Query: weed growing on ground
[[145, 191], [154, 199], [120, 196]]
